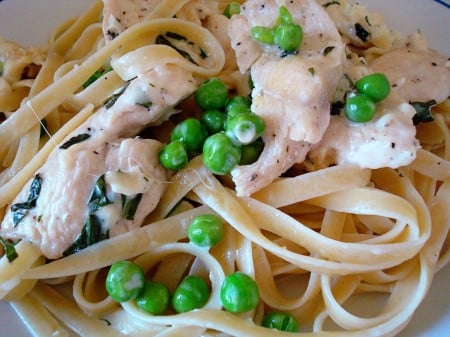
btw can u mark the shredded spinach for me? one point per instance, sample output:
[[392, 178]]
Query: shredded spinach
[[423, 111], [1, 68], [98, 198], [336, 108], [312, 71], [96, 75], [10, 250], [146, 105], [327, 50], [20, 210], [331, 3], [75, 140], [110, 101], [161, 39], [176, 36], [361, 32], [90, 234], [130, 205]]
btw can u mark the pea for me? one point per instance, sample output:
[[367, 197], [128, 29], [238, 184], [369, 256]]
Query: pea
[[205, 230], [213, 120], [239, 293], [376, 86], [125, 281], [280, 321], [244, 128], [154, 298], [191, 133], [232, 8], [250, 152], [211, 94], [262, 34], [288, 37], [359, 108], [220, 155], [284, 16], [173, 156], [238, 104], [192, 293]]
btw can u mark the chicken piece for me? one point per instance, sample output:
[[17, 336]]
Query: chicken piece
[[65, 208], [418, 75], [68, 179], [388, 140], [118, 15], [291, 92]]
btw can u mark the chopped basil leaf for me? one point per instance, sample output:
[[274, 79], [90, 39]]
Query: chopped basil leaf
[[146, 105], [75, 140], [423, 111], [331, 3], [130, 205], [367, 20], [203, 54], [98, 198], [361, 32], [176, 36], [1, 68], [20, 210], [110, 101], [327, 50], [311, 71], [161, 39], [96, 75], [90, 234], [10, 250], [107, 323]]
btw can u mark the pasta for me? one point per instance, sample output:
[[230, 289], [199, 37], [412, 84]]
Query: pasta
[[323, 229]]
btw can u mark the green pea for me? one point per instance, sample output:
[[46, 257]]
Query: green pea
[[376, 86], [280, 321], [211, 94], [173, 156], [238, 103], [205, 230], [250, 152], [262, 34], [284, 16], [154, 298], [232, 8], [213, 120], [359, 108], [220, 155], [244, 128], [192, 293], [125, 281], [288, 37], [191, 133], [239, 293]]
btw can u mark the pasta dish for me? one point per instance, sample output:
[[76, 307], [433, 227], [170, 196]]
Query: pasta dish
[[222, 168]]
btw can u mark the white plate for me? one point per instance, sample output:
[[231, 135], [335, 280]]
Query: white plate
[[30, 22]]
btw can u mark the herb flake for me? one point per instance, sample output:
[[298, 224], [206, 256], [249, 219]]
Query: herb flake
[[98, 198], [331, 3], [130, 205], [161, 39], [20, 210], [423, 111], [10, 250], [75, 140], [361, 32], [110, 101], [327, 50]]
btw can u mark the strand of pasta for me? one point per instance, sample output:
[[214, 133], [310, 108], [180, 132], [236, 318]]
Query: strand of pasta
[[121, 247]]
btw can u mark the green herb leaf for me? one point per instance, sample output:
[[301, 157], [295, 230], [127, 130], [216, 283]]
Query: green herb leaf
[[361, 32], [130, 205], [10, 250], [161, 39], [75, 140], [1, 68], [311, 71], [98, 198], [423, 111], [20, 210], [90, 234], [331, 3], [96, 75], [110, 101], [327, 50], [146, 105]]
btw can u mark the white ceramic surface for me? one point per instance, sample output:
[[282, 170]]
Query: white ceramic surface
[[31, 21]]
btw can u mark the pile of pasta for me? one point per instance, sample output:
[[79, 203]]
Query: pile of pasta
[[315, 243]]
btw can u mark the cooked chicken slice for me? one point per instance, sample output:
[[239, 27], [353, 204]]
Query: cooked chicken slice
[[67, 208], [418, 75], [118, 15], [388, 140], [291, 92]]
